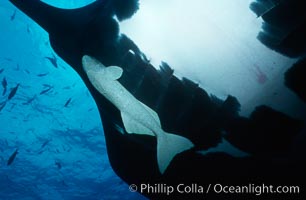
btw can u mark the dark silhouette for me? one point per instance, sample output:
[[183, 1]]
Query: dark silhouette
[[284, 31], [4, 85], [183, 107], [284, 26], [12, 157], [295, 78], [13, 92], [266, 133]]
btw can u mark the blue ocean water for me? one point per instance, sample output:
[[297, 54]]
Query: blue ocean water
[[52, 121]]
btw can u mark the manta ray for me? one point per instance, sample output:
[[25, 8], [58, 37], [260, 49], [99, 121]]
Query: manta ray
[[93, 30], [173, 105]]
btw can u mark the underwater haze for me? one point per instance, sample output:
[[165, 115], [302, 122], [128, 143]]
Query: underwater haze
[[214, 43]]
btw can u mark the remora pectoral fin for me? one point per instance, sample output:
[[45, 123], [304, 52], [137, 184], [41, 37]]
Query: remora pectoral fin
[[113, 72], [94, 66], [106, 74], [132, 126]]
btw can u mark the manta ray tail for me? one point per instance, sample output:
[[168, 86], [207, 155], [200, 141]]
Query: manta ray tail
[[53, 19], [168, 146]]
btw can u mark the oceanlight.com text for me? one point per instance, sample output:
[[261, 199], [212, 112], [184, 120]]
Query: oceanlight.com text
[[255, 189]]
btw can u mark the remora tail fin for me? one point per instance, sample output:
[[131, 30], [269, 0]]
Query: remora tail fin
[[53, 19], [168, 146]]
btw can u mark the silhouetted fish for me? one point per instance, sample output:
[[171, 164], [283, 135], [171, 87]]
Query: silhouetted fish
[[12, 157], [58, 164], [28, 28], [1, 70], [53, 60], [30, 100], [8, 59], [45, 143], [67, 102], [43, 74], [67, 88], [2, 105], [4, 85], [47, 85], [17, 67], [13, 15], [13, 92], [45, 90]]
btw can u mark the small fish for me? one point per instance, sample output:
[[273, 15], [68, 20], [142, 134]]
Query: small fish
[[45, 90], [41, 151], [1, 70], [13, 92], [28, 28], [58, 164], [67, 102], [29, 101], [47, 85], [13, 16], [12, 157], [4, 85], [12, 107], [43, 74], [17, 67], [45, 143], [2, 105], [64, 183], [53, 61], [67, 88], [8, 59]]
